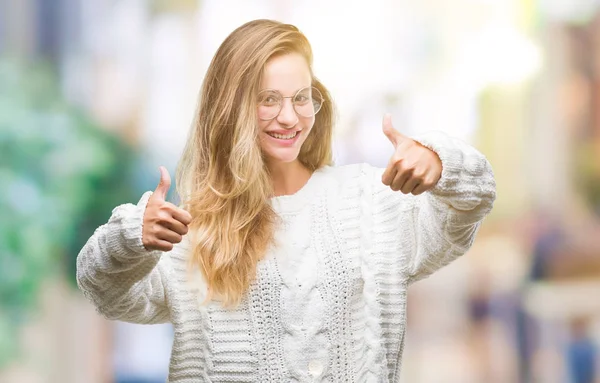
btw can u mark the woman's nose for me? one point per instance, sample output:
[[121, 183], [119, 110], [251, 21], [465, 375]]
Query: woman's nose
[[287, 116]]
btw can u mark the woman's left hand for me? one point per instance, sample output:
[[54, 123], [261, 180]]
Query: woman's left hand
[[413, 168]]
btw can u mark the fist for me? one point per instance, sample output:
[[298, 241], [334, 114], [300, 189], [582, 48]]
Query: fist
[[413, 168], [164, 223]]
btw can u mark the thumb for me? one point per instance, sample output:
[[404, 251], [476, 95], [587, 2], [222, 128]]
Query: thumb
[[392, 134], [165, 183]]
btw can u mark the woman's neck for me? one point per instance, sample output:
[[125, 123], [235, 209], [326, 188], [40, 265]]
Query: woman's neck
[[288, 177]]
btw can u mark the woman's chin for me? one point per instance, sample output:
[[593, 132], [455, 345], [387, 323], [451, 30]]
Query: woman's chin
[[282, 156]]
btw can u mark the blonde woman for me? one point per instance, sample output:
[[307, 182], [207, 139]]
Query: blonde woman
[[279, 266]]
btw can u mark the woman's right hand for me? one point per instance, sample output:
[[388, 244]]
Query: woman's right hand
[[164, 223]]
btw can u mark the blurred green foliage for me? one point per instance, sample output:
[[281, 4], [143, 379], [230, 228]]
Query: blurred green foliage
[[166, 6], [61, 175], [587, 173]]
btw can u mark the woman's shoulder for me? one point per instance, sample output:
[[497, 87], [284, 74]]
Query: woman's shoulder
[[351, 173], [350, 179], [357, 179]]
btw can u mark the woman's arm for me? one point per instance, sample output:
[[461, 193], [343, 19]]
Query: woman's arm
[[431, 199], [118, 275], [449, 215]]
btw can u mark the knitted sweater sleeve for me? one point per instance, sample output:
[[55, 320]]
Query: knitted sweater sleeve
[[118, 275], [440, 225]]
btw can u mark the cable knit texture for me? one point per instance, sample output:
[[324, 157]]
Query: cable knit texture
[[329, 300]]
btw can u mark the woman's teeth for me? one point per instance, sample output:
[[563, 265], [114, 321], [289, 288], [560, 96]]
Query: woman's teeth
[[283, 137]]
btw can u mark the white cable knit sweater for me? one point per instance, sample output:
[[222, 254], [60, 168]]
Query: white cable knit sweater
[[329, 300]]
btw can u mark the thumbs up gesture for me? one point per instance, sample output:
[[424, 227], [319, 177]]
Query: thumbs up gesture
[[164, 223], [413, 168]]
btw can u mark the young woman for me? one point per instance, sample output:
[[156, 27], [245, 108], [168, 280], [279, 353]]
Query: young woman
[[278, 266]]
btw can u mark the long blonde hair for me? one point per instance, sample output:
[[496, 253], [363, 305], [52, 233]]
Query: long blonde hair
[[221, 177]]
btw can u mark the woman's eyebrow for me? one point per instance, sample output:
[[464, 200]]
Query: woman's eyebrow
[[278, 91]]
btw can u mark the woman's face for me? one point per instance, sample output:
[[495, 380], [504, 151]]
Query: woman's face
[[282, 137]]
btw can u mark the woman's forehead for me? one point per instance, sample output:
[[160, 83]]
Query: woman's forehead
[[286, 73]]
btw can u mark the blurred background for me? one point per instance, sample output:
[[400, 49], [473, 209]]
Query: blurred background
[[96, 94]]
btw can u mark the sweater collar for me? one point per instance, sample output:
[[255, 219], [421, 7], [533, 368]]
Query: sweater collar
[[295, 202]]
